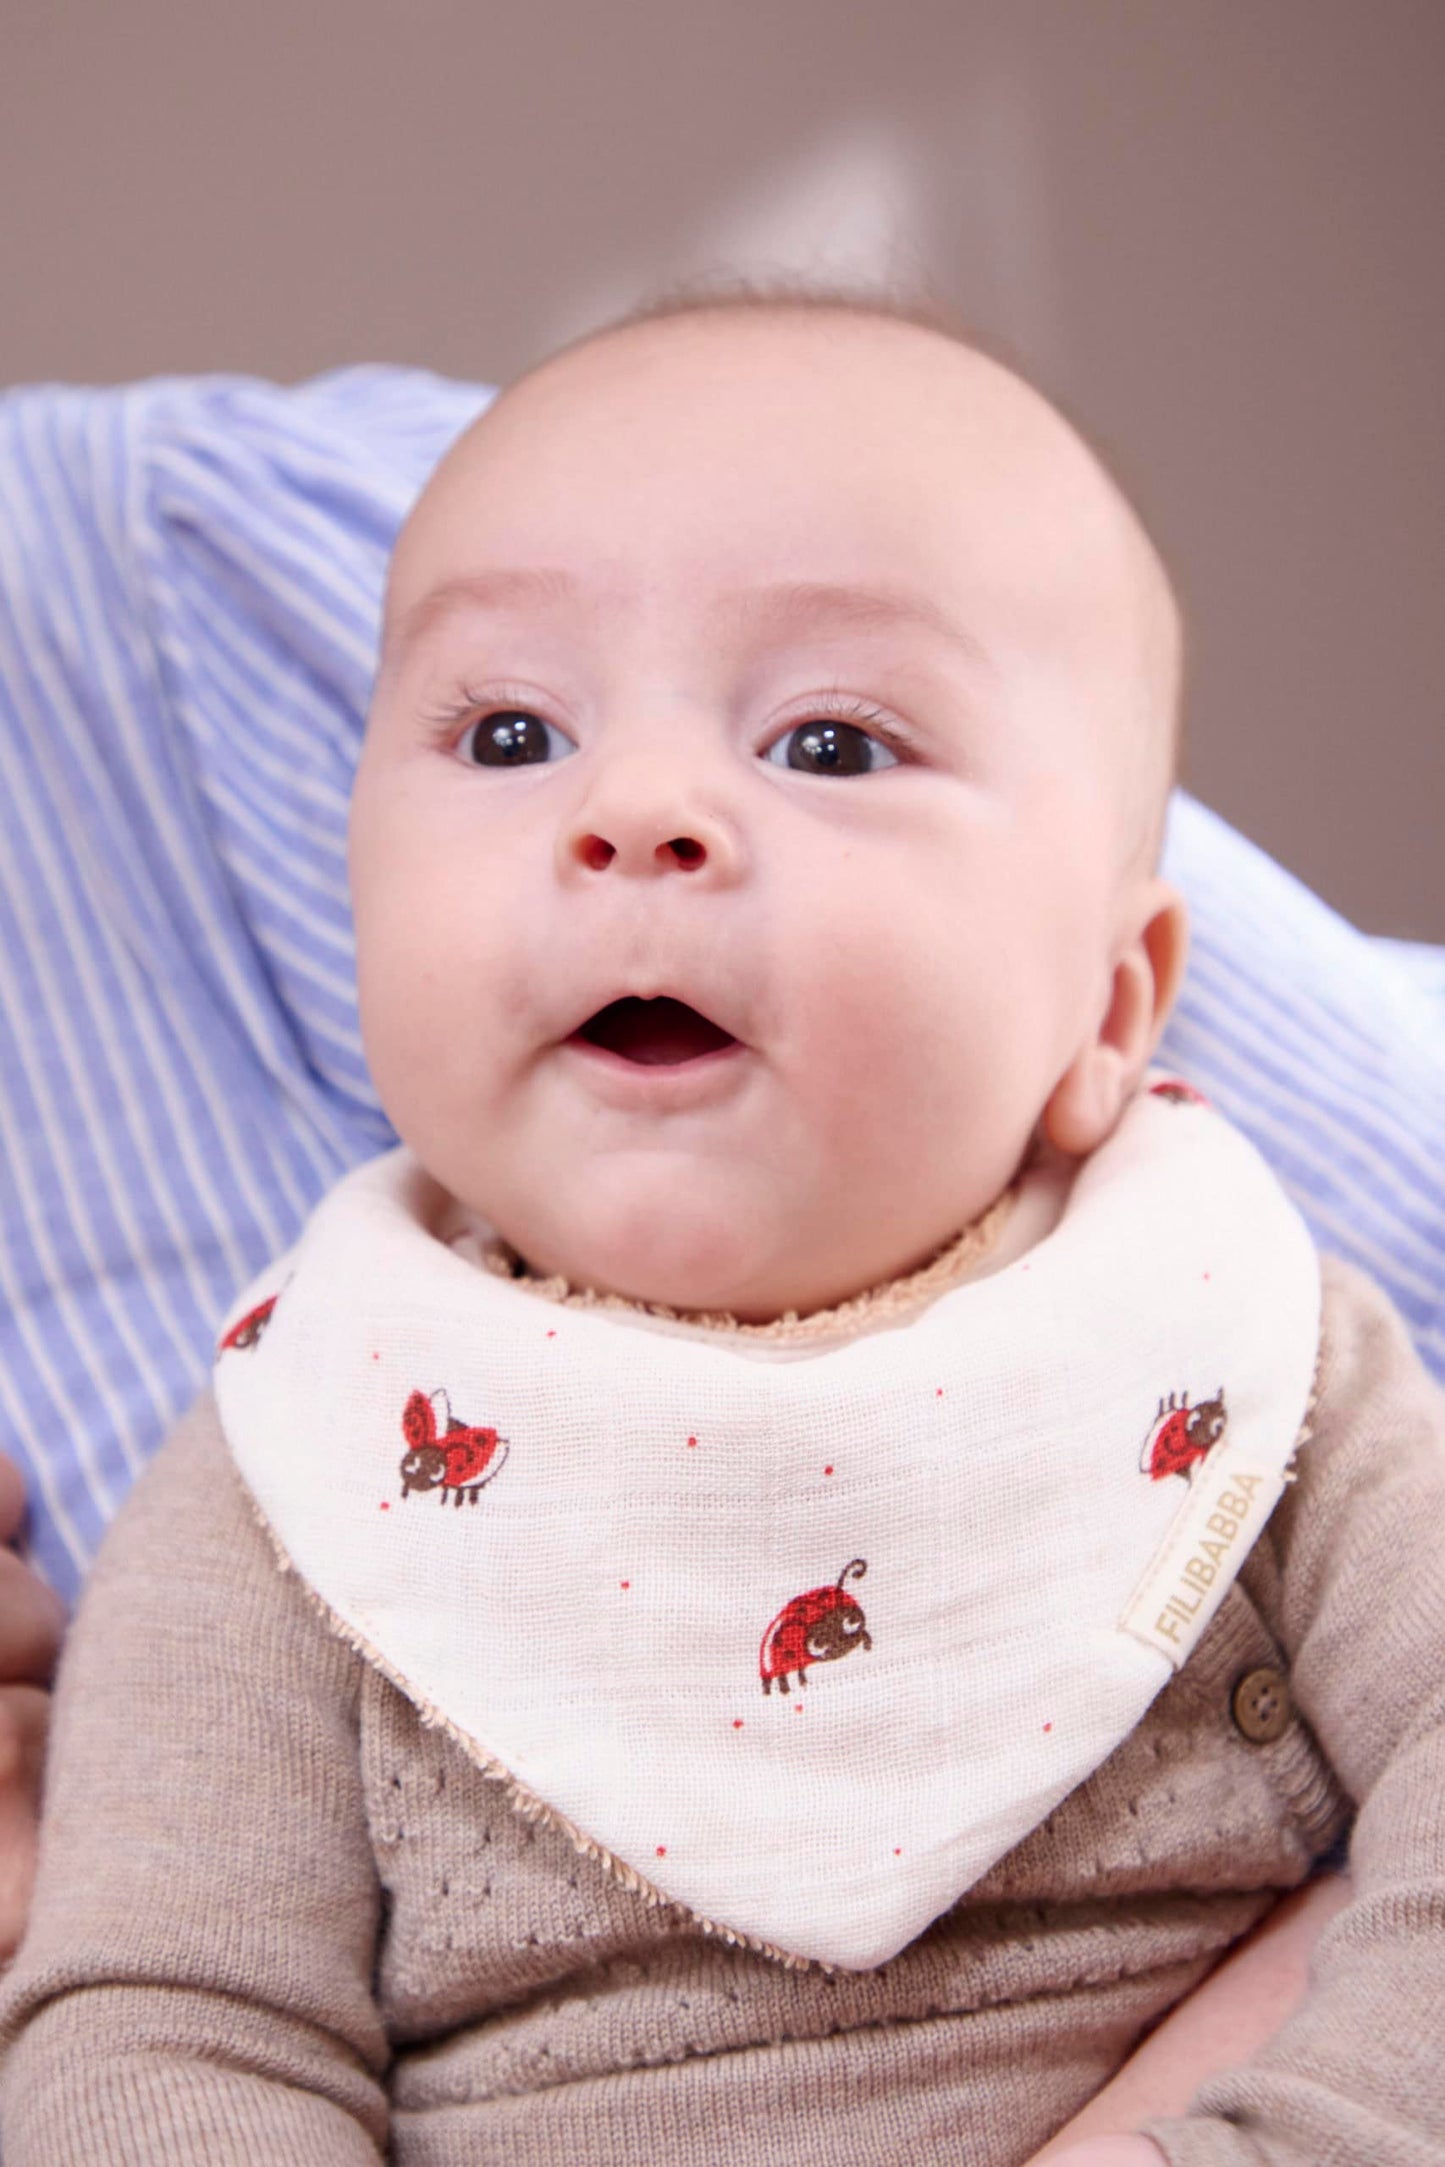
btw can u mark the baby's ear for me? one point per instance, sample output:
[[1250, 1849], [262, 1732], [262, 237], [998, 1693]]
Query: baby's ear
[[1148, 971]]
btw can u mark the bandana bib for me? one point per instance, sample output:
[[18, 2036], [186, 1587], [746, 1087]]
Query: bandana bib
[[801, 1636]]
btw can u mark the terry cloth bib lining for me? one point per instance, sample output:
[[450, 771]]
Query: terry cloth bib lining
[[802, 1636]]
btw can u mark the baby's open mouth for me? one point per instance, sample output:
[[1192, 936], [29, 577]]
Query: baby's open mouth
[[654, 1032]]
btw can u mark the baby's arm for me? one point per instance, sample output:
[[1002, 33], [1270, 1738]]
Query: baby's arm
[[196, 1979]]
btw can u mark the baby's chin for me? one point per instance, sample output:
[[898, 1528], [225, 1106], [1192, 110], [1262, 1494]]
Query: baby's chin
[[675, 1255]]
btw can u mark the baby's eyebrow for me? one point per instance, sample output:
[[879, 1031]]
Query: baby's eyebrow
[[507, 587], [821, 603]]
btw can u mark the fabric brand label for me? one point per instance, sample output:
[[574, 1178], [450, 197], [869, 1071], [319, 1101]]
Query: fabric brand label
[[1212, 1535]]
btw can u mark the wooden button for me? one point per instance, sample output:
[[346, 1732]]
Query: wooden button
[[1261, 1706]]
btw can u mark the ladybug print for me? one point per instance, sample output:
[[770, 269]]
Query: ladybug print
[[247, 1330], [444, 1454], [818, 1627], [1181, 1437], [1176, 1092]]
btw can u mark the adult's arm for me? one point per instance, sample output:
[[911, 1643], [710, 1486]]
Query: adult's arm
[[32, 1617], [1239, 2007]]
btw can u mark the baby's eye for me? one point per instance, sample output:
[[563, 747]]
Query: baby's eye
[[510, 737], [830, 747]]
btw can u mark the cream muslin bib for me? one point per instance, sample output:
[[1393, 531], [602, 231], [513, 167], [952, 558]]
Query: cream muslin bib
[[802, 1636]]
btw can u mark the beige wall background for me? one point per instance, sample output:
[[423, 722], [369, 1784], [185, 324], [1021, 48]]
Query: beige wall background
[[1211, 228]]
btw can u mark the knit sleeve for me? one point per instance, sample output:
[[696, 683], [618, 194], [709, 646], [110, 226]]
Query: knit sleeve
[[196, 1979], [1357, 2077]]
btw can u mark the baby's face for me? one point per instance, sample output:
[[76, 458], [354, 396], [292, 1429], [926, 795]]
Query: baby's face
[[796, 671]]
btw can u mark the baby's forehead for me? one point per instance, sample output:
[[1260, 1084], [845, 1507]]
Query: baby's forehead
[[802, 431], [778, 386]]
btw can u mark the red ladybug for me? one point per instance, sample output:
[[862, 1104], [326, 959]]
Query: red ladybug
[[1181, 1436], [247, 1330], [814, 1628], [1177, 1092], [444, 1454]]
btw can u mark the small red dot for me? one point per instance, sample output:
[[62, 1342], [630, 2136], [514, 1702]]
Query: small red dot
[[898, 1851], [375, 1357], [662, 1850], [827, 1470], [691, 1441], [1048, 1726], [551, 1335], [386, 1504], [938, 1391], [1206, 1275], [737, 1723], [624, 1583], [797, 1708]]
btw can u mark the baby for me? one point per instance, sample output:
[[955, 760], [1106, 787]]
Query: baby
[[783, 1579]]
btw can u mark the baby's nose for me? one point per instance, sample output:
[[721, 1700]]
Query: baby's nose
[[644, 818]]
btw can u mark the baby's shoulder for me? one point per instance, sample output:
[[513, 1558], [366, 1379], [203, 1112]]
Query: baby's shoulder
[[186, 1510], [189, 1562], [1367, 1481], [1375, 1407]]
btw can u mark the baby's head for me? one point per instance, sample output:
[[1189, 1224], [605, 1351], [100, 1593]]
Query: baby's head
[[802, 668]]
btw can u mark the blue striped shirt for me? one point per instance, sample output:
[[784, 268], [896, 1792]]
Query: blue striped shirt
[[190, 584]]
